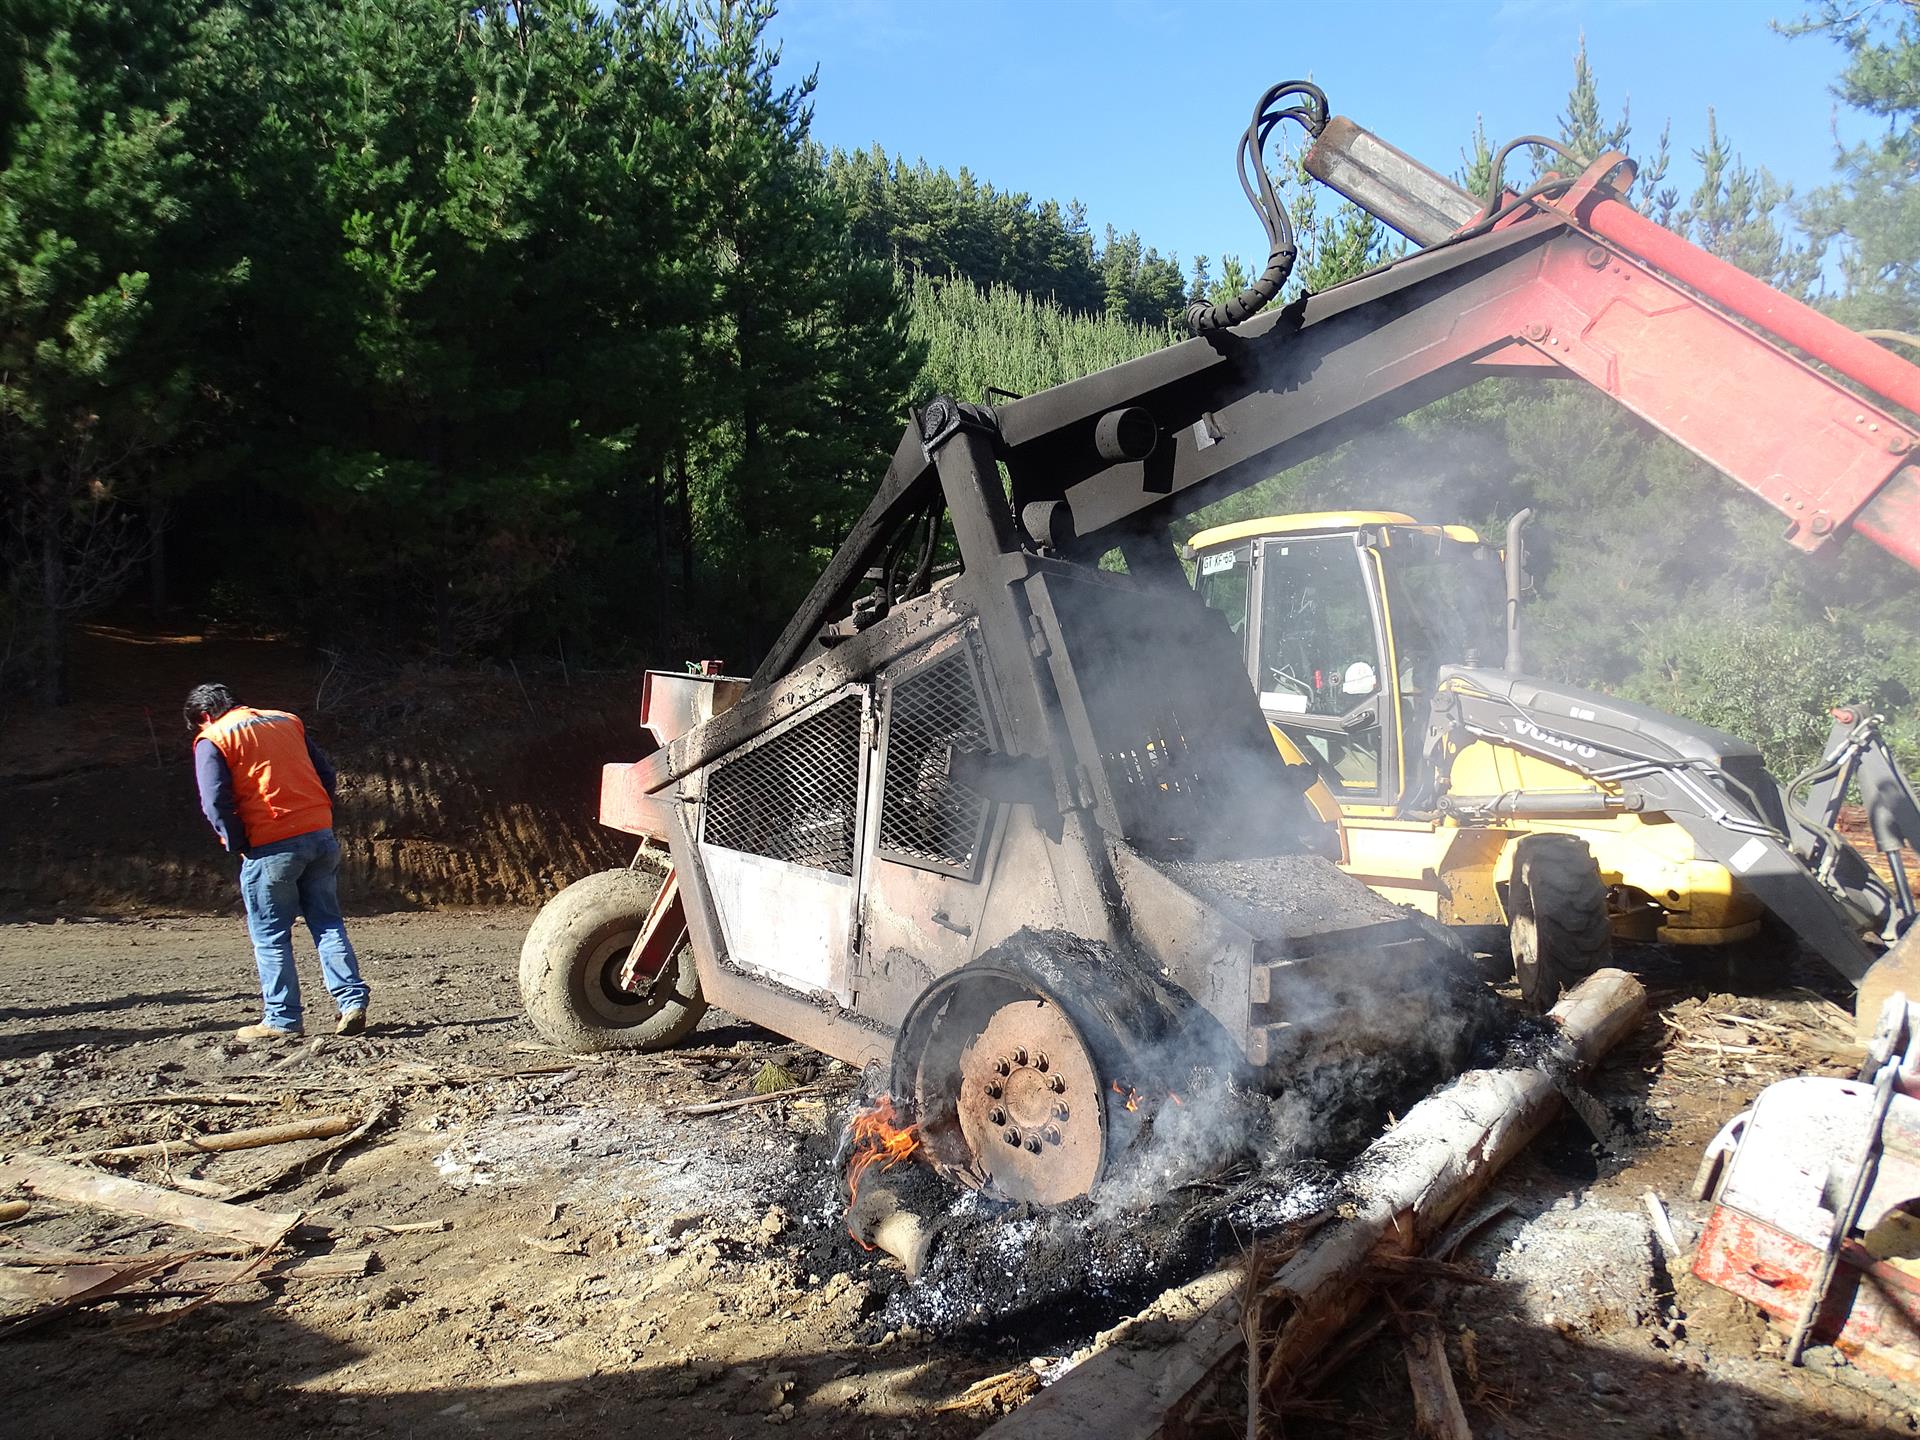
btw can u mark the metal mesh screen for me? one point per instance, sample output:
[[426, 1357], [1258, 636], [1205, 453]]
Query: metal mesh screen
[[924, 817], [794, 797]]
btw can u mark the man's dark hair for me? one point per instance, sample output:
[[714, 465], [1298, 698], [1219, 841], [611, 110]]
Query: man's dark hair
[[213, 700]]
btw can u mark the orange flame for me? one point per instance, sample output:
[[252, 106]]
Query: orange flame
[[1174, 1095], [877, 1135], [1128, 1093]]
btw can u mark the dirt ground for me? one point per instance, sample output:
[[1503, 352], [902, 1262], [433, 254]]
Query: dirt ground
[[609, 1263]]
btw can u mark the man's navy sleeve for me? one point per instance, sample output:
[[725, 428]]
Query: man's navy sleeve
[[323, 767], [216, 796]]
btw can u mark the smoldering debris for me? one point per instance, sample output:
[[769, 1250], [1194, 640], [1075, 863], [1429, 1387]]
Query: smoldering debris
[[1217, 1165]]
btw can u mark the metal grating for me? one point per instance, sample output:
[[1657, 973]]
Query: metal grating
[[925, 818], [793, 798]]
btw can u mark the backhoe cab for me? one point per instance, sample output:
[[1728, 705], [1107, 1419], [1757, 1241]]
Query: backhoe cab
[[1488, 799]]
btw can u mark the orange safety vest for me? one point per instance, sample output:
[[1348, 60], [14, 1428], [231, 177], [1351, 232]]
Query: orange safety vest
[[275, 787]]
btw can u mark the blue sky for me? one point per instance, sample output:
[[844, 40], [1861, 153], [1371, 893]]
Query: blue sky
[[1135, 106]]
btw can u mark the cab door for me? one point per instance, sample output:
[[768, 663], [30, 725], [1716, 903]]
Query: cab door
[[1319, 657]]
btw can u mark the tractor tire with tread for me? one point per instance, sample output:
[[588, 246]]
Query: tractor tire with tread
[[570, 963], [1560, 929]]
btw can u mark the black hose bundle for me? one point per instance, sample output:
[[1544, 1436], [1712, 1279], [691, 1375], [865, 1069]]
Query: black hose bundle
[[1311, 112]]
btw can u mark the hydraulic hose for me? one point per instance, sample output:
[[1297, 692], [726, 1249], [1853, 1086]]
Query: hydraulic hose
[[1257, 185]]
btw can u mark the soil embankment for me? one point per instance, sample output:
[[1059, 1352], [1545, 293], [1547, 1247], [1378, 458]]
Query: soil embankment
[[457, 787]]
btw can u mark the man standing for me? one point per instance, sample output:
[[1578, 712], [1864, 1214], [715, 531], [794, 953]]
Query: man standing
[[268, 790]]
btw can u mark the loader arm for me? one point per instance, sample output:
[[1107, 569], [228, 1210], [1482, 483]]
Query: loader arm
[[1575, 286]]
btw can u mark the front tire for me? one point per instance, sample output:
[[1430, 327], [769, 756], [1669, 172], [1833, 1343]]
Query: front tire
[[570, 966], [1559, 925]]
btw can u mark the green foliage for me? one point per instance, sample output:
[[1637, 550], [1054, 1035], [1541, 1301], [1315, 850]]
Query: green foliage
[[1872, 214], [974, 337], [1774, 681], [105, 280]]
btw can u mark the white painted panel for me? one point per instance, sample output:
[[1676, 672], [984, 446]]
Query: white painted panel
[[790, 922]]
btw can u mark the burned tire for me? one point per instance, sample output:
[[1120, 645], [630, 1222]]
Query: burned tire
[[570, 967], [1559, 925]]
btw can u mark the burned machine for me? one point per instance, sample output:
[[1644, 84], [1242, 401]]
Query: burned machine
[[1018, 830]]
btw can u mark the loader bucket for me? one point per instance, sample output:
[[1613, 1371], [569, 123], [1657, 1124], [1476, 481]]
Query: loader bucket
[[1896, 971]]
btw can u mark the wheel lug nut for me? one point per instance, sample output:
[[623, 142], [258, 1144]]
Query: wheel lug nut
[[997, 1115], [994, 1092], [1002, 1067], [1060, 1110], [1051, 1134], [1020, 1055], [1012, 1136], [1033, 1144], [1057, 1085], [1040, 1061]]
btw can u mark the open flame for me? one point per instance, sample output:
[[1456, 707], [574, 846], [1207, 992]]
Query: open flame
[[1127, 1093], [879, 1136]]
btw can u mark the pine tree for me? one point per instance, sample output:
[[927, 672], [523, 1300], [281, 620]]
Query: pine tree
[[106, 289], [1872, 214]]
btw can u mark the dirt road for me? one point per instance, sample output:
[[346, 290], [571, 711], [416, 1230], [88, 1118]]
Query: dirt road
[[609, 1265]]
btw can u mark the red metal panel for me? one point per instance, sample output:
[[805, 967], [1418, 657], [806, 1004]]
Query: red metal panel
[[624, 805], [1892, 518], [664, 933], [1871, 1311], [1810, 448], [1852, 354]]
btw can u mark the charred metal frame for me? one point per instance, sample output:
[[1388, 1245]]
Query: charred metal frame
[[1039, 488]]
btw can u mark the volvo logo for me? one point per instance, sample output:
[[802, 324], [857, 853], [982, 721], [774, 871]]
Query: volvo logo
[[1532, 731]]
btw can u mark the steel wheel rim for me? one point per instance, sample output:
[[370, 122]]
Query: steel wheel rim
[[1030, 1104]]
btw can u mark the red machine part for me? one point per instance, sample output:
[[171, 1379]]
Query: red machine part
[[664, 933], [1623, 316], [1871, 1310]]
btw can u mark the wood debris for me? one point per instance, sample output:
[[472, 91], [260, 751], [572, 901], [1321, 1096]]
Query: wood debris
[[58, 1180], [1436, 1403], [320, 1127]]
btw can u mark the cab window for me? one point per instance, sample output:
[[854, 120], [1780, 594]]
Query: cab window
[[1224, 576], [1321, 676]]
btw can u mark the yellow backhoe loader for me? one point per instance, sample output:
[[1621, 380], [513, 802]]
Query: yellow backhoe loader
[[1386, 656]]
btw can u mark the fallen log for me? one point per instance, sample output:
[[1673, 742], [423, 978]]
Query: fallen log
[[57, 1284], [57, 1180], [1406, 1187], [319, 1127], [119, 1278]]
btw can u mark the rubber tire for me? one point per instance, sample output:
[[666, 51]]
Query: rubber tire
[[1558, 917], [572, 936]]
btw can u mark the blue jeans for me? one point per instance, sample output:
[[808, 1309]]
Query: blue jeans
[[280, 883]]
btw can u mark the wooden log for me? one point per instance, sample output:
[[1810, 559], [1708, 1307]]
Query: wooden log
[[319, 1127], [1436, 1403], [1407, 1186], [105, 1288], [57, 1180]]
